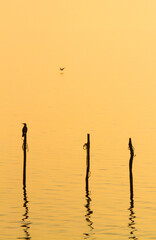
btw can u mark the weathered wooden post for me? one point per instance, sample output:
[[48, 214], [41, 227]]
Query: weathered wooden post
[[131, 208], [130, 169], [87, 147], [88, 162], [24, 135]]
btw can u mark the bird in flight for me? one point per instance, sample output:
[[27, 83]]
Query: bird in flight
[[61, 69]]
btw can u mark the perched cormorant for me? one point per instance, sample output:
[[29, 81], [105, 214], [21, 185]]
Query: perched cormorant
[[24, 129]]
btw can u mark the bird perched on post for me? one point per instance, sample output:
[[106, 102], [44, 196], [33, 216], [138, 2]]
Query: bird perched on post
[[24, 129]]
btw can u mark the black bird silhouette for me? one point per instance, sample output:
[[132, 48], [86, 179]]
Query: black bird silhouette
[[61, 69], [24, 129]]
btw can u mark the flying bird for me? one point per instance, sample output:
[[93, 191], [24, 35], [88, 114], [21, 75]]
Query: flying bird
[[24, 130], [61, 69]]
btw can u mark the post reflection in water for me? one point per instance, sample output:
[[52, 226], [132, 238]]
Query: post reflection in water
[[89, 212], [132, 216], [131, 223], [25, 219]]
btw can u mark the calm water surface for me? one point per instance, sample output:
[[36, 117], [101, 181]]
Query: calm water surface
[[55, 204]]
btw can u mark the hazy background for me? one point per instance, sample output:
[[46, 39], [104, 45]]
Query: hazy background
[[107, 89], [107, 47]]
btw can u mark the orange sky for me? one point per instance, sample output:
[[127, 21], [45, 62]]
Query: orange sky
[[107, 47]]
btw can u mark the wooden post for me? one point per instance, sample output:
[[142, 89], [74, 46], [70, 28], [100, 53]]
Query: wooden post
[[24, 135], [131, 208], [88, 198], [88, 164], [130, 170], [24, 161]]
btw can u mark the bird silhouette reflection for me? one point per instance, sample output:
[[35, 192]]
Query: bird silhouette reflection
[[25, 218], [132, 216], [89, 212]]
